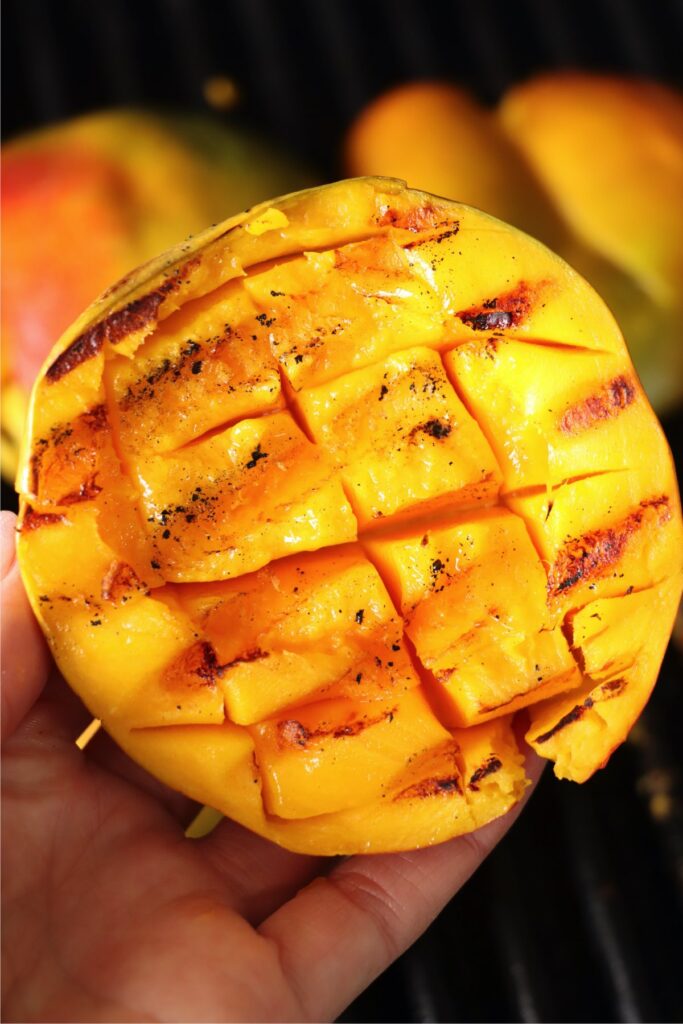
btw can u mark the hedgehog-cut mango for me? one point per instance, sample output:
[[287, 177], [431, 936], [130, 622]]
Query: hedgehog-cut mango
[[325, 509]]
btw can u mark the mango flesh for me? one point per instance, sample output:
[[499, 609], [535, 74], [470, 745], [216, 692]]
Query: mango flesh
[[315, 507], [85, 201], [592, 165]]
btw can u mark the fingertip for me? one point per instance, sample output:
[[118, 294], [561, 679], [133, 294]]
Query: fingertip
[[25, 661], [8, 548]]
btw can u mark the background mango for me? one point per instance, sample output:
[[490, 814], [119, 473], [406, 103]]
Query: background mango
[[591, 165], [86, 201]]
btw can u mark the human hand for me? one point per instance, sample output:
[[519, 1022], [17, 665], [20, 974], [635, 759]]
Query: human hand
[[110, 914]]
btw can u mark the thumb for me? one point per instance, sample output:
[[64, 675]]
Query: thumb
[[25, 660]]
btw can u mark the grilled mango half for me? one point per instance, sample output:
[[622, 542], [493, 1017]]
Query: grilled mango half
[[323, 510]]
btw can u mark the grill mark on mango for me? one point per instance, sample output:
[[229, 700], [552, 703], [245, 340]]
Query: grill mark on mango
[[509, 309], [35, 520], [292, 733], [604, 404], [196, 667], [438, 786], [255, 654], [71, 455], [607, 691], [135, 316], [585, 558], [114, 329], [491, 765]]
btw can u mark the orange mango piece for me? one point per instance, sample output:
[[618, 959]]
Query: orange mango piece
[[110, 609], [579, 731], [474, 598], [305, 627], [628, 544], [449, 790], [232, 502], [323, 324], [401, 437], [548, 427], [207, 364], [341, 753]]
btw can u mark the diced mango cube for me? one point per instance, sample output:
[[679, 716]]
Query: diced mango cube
[[474, 597], [401, 437], [341, 753], [208, 364], [306, 627], [579, 731], [546, 427], [603, 534], [323, 323], [164, 677], [218, 759], [229, 504]]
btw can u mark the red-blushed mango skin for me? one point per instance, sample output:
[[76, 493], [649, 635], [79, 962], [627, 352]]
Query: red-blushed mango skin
[[590, 164], [270, 619], [85, 201]]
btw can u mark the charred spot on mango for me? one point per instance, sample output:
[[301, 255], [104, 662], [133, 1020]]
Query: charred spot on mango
[[509, 309], [448, 785], [596, 553], [293, 733], [135, 316], [571, 716], [66, 464], [254, 654], [33, 520], [615, 396], [435, 428], [606, 691], [493, 764], [420, 218], [196, 667]]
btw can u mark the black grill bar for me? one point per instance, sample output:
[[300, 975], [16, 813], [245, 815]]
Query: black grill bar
[[520, 953], [602, 905], [632, 35], [109, 28], [43, 76]]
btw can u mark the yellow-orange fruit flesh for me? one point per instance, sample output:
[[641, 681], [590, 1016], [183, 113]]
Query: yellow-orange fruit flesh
[[313, 506]]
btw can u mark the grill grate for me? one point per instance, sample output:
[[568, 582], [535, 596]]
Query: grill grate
[[577, 916]]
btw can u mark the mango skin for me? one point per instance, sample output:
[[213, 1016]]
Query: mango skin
[[163, 626], [591, 165], [85, 201]]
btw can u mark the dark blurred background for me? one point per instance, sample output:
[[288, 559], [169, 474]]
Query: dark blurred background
[[578, 915], [306, 67]]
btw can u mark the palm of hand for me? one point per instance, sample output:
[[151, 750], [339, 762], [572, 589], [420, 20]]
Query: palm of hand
[[111, 914]]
